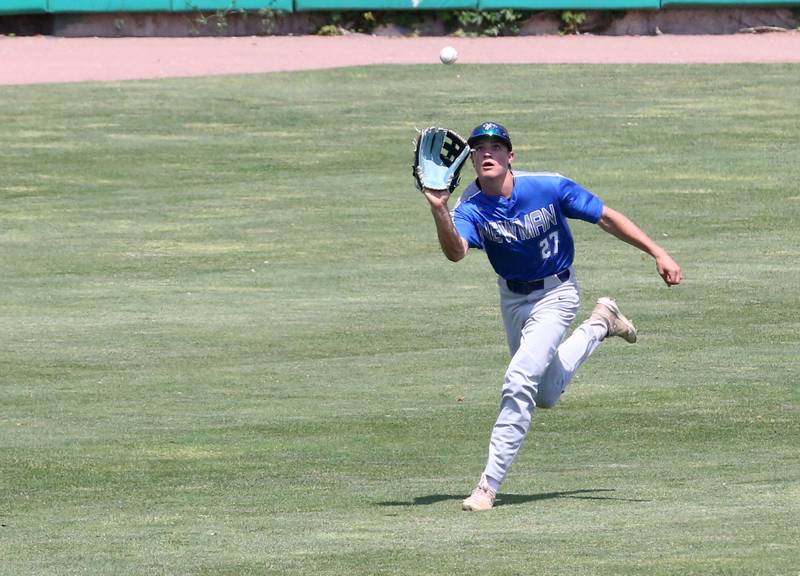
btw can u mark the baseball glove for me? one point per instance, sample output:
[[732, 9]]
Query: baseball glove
[[439, 155]]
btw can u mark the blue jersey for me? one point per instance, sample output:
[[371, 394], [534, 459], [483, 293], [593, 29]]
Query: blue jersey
[[526, 236]]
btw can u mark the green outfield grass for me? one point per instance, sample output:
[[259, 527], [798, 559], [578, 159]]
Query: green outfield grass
[[229, 344]]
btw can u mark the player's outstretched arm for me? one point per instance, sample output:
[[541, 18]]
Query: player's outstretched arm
[[622, 227], [453, 245]]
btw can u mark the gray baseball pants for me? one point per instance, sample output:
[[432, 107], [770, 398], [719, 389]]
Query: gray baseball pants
[[542, 362]]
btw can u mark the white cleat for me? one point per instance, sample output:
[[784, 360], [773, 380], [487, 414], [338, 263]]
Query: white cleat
[[608, 312], [482, 498]]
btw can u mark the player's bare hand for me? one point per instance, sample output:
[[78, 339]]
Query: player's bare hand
[[668, 269], [436, 198]]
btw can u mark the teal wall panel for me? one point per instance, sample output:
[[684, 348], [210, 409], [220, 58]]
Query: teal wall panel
[[303, 5], [570, 4], [101, 6], [67, 6], [213, 5], [729, 3], [23, 6]]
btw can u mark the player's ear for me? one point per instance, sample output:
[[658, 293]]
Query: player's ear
[[510, 157]]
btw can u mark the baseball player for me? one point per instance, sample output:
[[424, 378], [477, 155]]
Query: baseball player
[[519, 219]]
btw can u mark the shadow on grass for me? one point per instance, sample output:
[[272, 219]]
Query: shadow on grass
[[511, 499]]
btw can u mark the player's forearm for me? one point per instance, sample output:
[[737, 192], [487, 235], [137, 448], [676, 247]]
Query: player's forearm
[[452, 244], [620, 226]]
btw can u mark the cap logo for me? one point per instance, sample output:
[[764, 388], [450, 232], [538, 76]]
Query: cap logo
[[490, 130]]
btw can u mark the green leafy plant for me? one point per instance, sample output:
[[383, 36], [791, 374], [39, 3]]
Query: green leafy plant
[[218, 21], [571, 22], [488, 23], [456, 22], [267, 17], [329, 30], [360, 22]]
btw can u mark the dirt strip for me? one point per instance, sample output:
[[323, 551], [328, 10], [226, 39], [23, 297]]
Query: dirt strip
[[44, 59]]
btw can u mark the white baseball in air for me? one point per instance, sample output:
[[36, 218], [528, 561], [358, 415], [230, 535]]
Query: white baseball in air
[[448, 55]]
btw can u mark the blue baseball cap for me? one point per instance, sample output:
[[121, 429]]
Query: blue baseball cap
[[490, 130]]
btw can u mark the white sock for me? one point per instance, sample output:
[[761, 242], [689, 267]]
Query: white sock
[[493, 484], [599, 329]]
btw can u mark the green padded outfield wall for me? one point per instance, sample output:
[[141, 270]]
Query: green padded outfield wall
[[23, 6], [729, 3], [108, 6], [301, 5], [249, 5], [73, 6], [570, 4]]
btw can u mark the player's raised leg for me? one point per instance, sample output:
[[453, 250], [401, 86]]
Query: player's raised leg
[[606, 320]]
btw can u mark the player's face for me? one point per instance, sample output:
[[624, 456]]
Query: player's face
[[491, 158]]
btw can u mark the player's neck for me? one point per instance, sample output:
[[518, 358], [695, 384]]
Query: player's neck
[[500, 186]]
